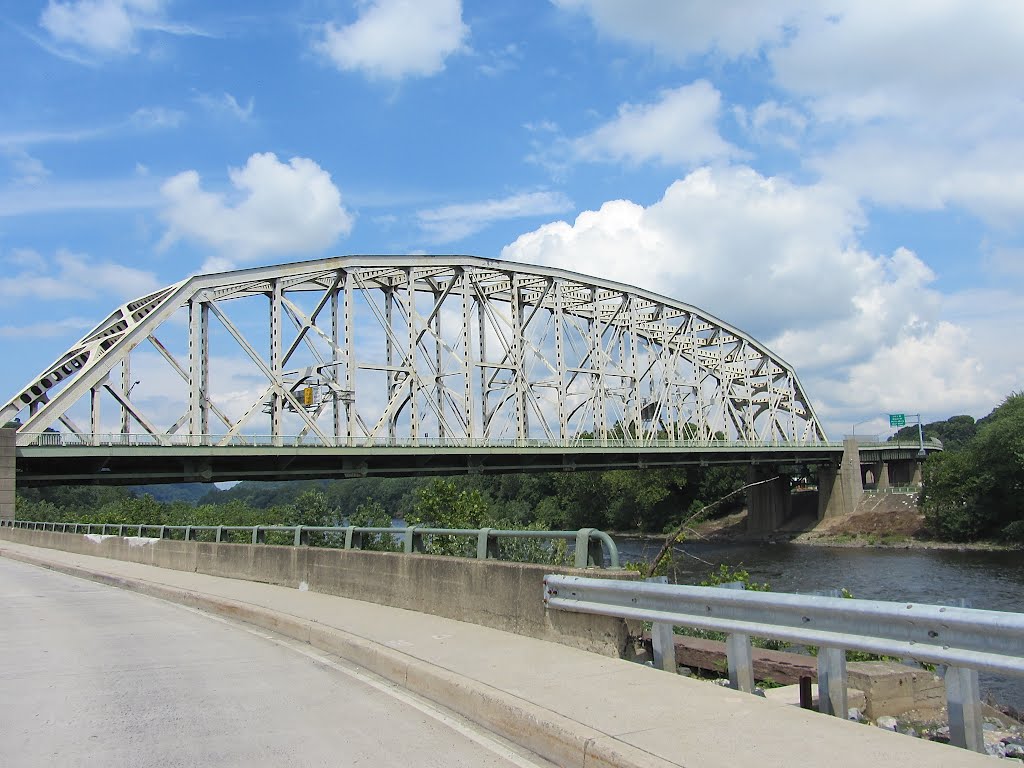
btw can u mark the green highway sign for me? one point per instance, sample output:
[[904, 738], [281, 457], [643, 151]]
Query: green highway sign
[[897, 419]]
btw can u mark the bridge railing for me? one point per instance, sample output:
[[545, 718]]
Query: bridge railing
[[964, 640], [591, 547], [71, 439]]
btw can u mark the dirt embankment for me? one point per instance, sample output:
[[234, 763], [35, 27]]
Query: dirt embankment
[[880, 519]]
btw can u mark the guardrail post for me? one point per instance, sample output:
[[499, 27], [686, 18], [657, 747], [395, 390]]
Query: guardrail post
[[588, 552], [188, 532], [486, 545], [832, 681], [963, 698], [412, 541], [301, 536], [120, 530], [353, 538], [163, 531], [140, 531], [739, 654], [663, 643], [220, 534], [259, 536]]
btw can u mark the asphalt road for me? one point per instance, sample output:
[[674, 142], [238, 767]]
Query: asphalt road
[[92, 675]]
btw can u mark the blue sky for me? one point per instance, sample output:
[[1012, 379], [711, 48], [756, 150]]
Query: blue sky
[[842, 179]]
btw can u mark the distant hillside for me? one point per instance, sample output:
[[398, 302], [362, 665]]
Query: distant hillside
[[187, 492]]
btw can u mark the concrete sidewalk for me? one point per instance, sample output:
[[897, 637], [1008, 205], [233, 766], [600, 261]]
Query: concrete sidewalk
[[571, 707]]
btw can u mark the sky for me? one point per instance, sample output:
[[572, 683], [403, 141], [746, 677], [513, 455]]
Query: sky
[[843, 179]]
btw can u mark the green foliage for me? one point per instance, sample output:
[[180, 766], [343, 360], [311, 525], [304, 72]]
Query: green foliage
[[442, 504], [311, 508], [955, 432], [727, 574], [978, 491], [371, 514]]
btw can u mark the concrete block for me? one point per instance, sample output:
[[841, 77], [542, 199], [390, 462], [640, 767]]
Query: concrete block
[[892, 689]]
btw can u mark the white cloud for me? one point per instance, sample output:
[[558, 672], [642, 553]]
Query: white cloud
[[280, 209], [148, 118], [935, 372], [67, 275], [915, 166], [914, 104], [44, 196], [678, 29], [731, 241], [924, 98], [68, 326], [27, 169], [877, 59], [678, 129], [394, 39], [783, 263], [106, 27], [771, 122], [226, 104], [454, 222]]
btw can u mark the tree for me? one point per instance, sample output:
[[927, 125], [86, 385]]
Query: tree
[[311, 508], [979, 490], [442, 504]]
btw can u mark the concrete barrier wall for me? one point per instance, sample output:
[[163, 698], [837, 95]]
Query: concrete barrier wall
[[503, 595]]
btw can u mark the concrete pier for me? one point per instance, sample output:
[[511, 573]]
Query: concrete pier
[[8, 473], [839, 489], [769, 504]]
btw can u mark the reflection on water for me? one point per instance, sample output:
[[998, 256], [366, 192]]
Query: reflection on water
[[991, 580]]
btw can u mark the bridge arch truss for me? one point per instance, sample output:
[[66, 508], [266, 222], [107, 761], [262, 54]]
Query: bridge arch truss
[[380, 350]]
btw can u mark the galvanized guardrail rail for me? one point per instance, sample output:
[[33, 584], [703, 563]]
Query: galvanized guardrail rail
[[964, 640], [592, 548]]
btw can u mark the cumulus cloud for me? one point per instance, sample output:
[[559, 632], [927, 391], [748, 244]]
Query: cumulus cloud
[[394, 39], [278, 208], [729, 240], [910, 104], [678, 129], [454, 222], [68, 275], [782, 262]]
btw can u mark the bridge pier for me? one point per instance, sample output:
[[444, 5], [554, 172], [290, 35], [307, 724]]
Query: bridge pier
[[769, 504], [840, 489], [7, 473]]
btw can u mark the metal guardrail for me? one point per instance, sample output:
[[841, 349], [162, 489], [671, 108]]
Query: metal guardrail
[[71, 439], [592, 548], [965, 640]]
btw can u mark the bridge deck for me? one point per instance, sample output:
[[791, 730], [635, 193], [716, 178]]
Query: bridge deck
[[134, 464]]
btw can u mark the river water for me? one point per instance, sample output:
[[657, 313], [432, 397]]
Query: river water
[[991, 580]]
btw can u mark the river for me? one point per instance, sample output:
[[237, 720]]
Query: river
[[991, 580]]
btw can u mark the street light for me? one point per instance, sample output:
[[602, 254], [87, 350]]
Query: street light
[[859, 423], [129, 392]]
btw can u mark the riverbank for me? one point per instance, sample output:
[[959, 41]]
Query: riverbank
[[883, 520]]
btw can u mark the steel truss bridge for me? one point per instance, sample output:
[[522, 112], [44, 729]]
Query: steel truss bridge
[[397, 365]]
